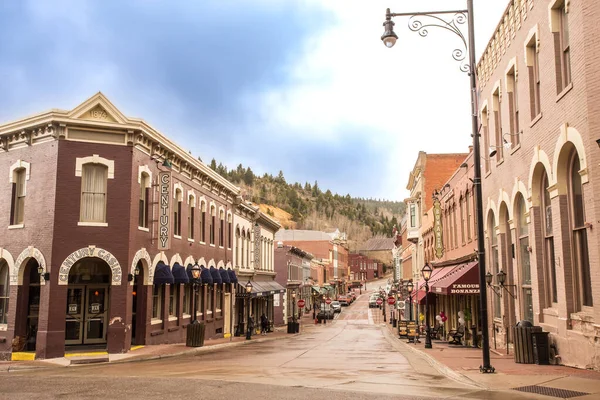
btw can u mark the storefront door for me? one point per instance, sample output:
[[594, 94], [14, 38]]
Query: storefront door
[[87, 313]]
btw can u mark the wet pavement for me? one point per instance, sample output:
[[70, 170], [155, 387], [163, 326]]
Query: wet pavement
[[354, 356]]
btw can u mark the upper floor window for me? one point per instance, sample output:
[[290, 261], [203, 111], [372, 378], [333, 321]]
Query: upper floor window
[[177, 213], [497, 104], [486, 135], [221, 228], [93, 192], [190, 217], [513, 106], [413, 215], [203, 222], [144, 195], [229, 232], [17, 214], [212, 225], [562, 53], [533, 66]]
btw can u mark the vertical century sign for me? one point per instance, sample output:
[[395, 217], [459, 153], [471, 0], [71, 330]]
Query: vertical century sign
[[437, 228], [164, 210]]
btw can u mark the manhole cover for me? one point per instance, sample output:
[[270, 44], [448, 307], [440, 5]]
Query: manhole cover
[[549, 391]]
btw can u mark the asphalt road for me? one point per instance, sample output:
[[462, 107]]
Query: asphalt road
[[352, 357]]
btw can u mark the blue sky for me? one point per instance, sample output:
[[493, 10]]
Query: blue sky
[[303, 86]]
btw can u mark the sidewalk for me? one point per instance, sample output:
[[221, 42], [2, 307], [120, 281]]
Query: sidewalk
[[142, 353], [452, 360]]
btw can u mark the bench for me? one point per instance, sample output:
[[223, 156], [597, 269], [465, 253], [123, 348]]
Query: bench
[[434, 333], [457, 335]]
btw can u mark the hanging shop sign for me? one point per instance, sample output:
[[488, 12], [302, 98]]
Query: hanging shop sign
[[164, 210], [437, 228]]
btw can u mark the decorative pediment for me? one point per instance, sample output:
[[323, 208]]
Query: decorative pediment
[[98, 108]]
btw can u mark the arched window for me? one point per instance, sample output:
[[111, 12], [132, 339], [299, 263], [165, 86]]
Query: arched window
[[93, 192], [468, 214], [248, 261], [190, 217], [236, 261], [551, 296], [524, 260], [17, 213], [243, 250], [203, 222], [4, 292], [494, 260], [212, 225], [229, 231], [177, 213], [581, 262], [221, 228]]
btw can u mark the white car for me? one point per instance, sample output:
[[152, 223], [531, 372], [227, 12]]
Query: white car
[[336, 306]]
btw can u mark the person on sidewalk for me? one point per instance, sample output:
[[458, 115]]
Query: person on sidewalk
[[264, 324]]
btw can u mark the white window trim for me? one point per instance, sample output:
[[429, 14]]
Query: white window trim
[[141, 228], [173, 318], [512, 66], [3, 327], [187, 315], [18, 165], [191, 194], [155, 321], [191, 240], [94, 159], [179, 186], [18, 226], [177, 236], [553, 17], [100, 224], [533, 40], [145, 169]]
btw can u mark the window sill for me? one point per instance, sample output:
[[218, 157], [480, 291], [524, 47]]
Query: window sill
[[19, 226], [515, 149], [156, 321], [212, 245], [3, 327], [191, 240], [186, 316], [221, 247], [177, 237], [564, 92], [141, 228], [172, 318], [99, 224], [201, 242], [535, 120], [218, 310]]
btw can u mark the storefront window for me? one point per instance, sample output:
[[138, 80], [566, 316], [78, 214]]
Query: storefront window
[[187, 295], [4, 292], [173, 298], [157, 296]]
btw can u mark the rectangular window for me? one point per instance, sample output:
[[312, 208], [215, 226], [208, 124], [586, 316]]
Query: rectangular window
[[209, 297], [221, 232], [495, 265], [533, 67], [212, 229], [173, 299], [219, 294], [560, 31], [187, 297], [190, 221], [513, 107], [143, 212], [177, 219], [413, 217], [468, 215], [18, 198], [4, 292], [486, 138], [498, 125], [229, 235], [203, 226], [462, 221], [157, 300], [455, 227], [93, 193]]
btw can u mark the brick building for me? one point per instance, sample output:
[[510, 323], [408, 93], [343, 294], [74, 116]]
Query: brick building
[[293, 268], [102, 218]]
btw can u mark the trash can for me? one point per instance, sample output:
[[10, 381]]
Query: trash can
[[541, 348], [523, 341], [195, 335], [290, 327]]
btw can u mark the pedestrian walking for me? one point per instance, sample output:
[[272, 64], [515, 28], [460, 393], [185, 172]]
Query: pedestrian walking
[[264, 324]]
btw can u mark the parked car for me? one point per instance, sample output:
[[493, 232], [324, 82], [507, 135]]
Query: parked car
[[343, 300], [373, 301], [326, 313], [336, 306], [352, 294]]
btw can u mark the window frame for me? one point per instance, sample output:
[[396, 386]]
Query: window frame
[[84, 176], [158, 292], [4, 292]]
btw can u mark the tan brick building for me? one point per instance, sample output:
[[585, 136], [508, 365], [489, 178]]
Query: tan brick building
[[539, 83]]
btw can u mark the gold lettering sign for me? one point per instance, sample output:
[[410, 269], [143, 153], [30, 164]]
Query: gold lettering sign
[[437, 228], [164, 210]]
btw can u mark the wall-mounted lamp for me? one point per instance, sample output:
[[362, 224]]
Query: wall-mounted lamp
[[501, 276], [494, 149], [488, 279], [136, 272], [45, 275]]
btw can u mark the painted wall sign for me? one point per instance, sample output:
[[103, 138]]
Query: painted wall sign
[[91, 251], [437, 228], [164, 210], [464, 288]]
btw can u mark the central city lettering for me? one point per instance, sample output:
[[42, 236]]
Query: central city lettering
[[164, 179]]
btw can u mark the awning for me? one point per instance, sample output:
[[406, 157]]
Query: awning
[[215, 275], [464, 279], [206, 276], [316, 289], [232, 276], [273, 287], [163, 275], [179, 274], [436, 275], [224, 275], [257, 289]]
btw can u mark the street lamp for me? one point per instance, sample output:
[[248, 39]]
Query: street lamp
[[426, 272], [459, 17], [249, 329], [409, 288], [195, 270], [294, 307]]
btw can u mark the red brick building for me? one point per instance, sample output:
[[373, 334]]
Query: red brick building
[[112, 214]]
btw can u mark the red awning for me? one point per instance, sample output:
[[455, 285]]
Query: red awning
[[464, 279]]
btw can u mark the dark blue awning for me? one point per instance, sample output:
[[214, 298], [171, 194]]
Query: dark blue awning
[[179, 274], [232, 276], [216, 276], [224, 275], [189, 273], [163, 275], [206, 276]]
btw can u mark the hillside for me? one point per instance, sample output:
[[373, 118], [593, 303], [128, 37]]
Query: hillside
[[308, 206]]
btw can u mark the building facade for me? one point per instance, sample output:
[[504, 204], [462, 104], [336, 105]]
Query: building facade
[[103, 217], [293, 272], [539, 109]]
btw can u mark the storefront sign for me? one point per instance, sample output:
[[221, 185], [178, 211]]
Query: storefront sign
[[276, 300], [437, 228], [72, 308], [464, 288], [95, 308], [164, 210]]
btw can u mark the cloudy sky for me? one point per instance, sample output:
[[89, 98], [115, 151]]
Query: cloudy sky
[[303, 86]]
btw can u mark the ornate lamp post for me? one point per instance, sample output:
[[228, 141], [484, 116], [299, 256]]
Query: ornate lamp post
[[195, 270], [409, 288], [426, 272], [459, 17], [248, 329]]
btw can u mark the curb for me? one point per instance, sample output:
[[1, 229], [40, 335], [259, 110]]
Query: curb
[[441, 367]]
